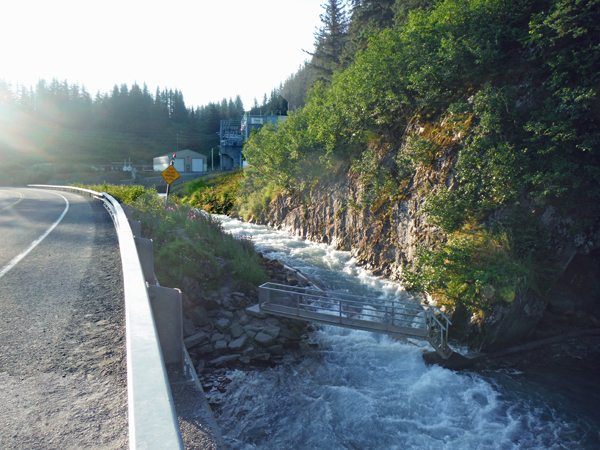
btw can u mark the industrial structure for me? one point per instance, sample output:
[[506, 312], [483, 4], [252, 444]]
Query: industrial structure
[[185, 161], [235, 132]]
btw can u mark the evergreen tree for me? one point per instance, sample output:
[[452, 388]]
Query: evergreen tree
[[330, 40]]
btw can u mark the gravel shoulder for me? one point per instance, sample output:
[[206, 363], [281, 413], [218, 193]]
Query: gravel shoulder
[[63, 378]]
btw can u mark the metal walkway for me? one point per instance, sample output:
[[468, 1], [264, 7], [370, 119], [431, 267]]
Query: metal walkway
[[360, 313]]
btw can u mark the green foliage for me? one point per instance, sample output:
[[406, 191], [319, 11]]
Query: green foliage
[[257, 194], [476, 268], [505, 91], [125, 194], [216, 195], [174, 227]]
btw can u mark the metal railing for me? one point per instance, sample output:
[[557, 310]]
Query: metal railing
[[380, 315], [153, 422]]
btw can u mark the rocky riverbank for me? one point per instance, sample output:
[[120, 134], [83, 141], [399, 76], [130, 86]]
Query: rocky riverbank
[[221, 334]]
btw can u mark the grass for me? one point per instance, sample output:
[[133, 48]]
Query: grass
[[188, 242]]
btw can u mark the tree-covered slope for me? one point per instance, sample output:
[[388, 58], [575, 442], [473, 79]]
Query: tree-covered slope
[[505, 90]]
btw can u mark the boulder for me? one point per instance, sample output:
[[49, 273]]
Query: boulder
[[220, 346], [272, 330], [222, 325], [289, 334], [205, 349], [198, 316], [188, 327], [195, 339], [264, 340], [224, 360], [217, 337], [236, 331], [238, 344], [276, 350]]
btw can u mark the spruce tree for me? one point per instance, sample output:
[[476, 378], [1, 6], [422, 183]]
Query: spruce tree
[[330, 40]]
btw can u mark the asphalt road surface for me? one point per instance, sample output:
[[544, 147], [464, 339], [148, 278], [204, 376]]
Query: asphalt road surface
[[62, 333]]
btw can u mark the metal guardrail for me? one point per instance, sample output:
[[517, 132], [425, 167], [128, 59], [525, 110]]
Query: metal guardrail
[[352, 311], [153, 422]]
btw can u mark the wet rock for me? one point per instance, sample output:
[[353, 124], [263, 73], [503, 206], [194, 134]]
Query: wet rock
[[224, 360], [264, 340], [262, 359], [289, 334], [276, 350]]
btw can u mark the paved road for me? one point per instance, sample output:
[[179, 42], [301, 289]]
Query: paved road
[[62, 347]]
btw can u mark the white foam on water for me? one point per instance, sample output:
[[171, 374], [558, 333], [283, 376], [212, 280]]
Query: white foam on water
[[361, 390]]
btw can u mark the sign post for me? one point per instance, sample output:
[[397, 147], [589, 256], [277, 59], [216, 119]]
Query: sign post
[[170, 174]]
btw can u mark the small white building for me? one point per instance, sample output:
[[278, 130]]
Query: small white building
[[185, 161]]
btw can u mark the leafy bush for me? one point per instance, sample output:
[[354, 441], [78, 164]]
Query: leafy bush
[[475, 268], [125, 194], [188, 241], [216, 196]]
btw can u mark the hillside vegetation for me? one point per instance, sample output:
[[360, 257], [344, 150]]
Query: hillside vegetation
[[505, 89]]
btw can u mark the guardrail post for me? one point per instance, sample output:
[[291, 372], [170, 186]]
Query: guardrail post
[[136, 227], [146, 255], [166, 309]]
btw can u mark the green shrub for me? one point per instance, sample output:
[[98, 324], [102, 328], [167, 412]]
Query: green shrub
[[476, 268]]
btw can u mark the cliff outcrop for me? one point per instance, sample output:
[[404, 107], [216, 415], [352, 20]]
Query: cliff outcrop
[[382, 237]]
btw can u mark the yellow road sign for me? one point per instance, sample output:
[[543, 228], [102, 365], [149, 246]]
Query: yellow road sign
[[170, 174]]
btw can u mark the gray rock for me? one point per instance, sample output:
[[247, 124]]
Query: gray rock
[[198, 316], [256, 314], [225, 314], [205, 349], [222, 325], [273, 321], [220, 346], [264, 340], [217, 337], [210, 302], [238, 344], [244, 320], [272, 330], [236, 331], [225, 359], [188, 327], [252, 328], [562, 306], [251, 334], [276, 350], [195, 339], [289, 334], [245, 359]]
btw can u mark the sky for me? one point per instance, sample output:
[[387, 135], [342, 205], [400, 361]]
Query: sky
[[206, 49]]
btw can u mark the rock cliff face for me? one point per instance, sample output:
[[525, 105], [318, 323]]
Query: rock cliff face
[[382, 237]]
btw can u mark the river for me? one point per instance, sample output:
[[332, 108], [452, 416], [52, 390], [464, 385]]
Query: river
[[361, 390]]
